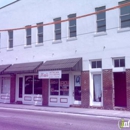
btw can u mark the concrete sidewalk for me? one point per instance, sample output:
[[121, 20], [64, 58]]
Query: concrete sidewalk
[[84, 111]]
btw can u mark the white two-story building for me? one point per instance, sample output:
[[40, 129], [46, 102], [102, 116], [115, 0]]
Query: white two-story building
[[52, 57]]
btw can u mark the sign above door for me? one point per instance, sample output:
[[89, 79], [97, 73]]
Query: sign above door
[[49, 74]]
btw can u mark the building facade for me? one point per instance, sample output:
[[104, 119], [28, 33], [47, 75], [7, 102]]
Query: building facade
[[90, 53]]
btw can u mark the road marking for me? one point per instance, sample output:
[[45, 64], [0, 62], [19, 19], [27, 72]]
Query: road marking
[[62, 113]]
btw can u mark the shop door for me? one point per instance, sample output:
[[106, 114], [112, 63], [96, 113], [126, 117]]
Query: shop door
[[59, 91], [97, 99], [120, 89], [20, 89], [77, 89]]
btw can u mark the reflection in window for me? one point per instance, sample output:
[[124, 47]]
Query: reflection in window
[[37, 85], [54, 89], [28, 84], [64, 85]]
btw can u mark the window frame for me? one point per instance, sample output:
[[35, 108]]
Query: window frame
[[96, 64], [119, 62], [10, 39], [39, 34], [128, 14], [74, 26], [57, 30], [100, 20], [28, 36]]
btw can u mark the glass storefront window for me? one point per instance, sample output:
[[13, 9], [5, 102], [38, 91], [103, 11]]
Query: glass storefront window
[[64, 85], [77, 87], [5, 85], [29, 84], [54, 87], [37, 85]]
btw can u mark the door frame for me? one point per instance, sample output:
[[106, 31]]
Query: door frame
[[92, 102]]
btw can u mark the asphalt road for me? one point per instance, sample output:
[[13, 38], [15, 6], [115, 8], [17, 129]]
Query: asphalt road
[[38, 120]]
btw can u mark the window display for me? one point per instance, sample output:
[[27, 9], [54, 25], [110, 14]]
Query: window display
[[54, 90]]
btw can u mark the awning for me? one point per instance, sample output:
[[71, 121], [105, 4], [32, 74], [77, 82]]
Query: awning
[[73, 64], [4, 67], [23, 67]]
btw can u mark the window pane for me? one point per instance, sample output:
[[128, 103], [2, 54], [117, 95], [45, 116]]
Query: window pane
[[10, 34], [97, 87], [28, 40], [116, 63], [64, 85], [40, 29], [10, 43], [72, 23], [125, 10], [40, 38], [54, 86], [57, 34], [93, 63], [28, 31], [125, 21], [37, 85], [28, 84], [101, 26], [99, 64], [122, 62], [101, 15], [77, 87], [5, 85], [20, 87], [73, 31], [57, 26]]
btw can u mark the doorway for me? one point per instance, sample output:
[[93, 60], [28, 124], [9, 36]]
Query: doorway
[[120, 89]]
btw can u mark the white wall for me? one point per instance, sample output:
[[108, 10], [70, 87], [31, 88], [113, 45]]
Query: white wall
[[87, 45]]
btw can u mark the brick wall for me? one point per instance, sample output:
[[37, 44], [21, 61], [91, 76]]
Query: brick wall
[[107, 89], [12, 88], [45, 88], [128, 87], [85, 89]]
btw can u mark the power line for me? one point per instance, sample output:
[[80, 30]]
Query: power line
[[82, 16]]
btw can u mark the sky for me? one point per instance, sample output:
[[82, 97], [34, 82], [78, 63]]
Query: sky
[[5, 2]]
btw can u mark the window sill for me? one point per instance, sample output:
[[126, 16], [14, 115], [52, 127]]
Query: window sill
[[57, 41], [27, 46], [123, 30], [39, 44], [9, 49], [100, 34], [71, 38]]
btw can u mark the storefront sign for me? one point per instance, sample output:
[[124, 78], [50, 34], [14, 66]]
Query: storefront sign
[[49, 74]]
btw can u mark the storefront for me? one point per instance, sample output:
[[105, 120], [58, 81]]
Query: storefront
[[27, 86], [5, 81], [64, 89]]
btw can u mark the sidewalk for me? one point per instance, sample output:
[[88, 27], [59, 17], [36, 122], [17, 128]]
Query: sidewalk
[[84, 111]]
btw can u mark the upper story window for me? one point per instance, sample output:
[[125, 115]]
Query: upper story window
[[101, 20], [57, 29], [119, 62], [125, 15], [40, 33], [72, 26], [10, 35], [96, 64], [28, 35]]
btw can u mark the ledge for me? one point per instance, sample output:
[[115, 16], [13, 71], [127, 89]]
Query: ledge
[[9, 49], [56, 41], [39, 44], [100, 34], [27, 46], [71, 38], [123, 30]]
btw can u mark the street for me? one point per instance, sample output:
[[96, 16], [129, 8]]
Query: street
[[42, 120]]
